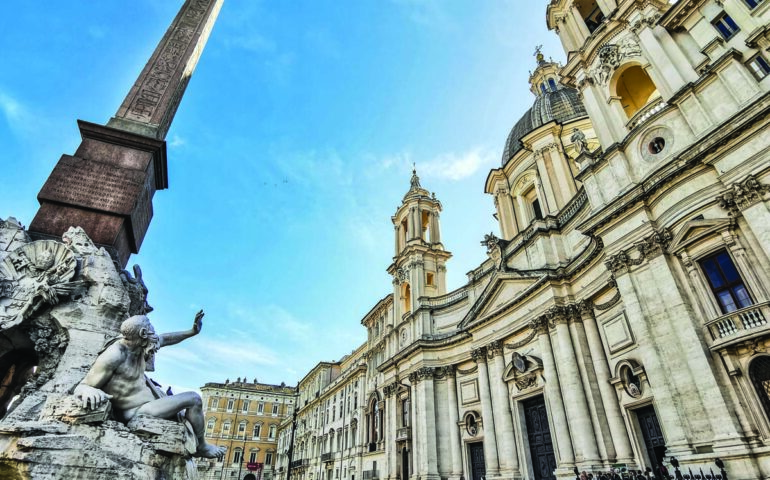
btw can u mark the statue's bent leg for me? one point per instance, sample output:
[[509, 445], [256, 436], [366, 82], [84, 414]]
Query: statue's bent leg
[[168, 407]]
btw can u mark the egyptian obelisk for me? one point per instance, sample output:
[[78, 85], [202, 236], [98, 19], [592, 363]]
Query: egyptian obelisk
[[107, 186]]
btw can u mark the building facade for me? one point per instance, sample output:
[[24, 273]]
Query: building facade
[[243, 417], [620, 317]]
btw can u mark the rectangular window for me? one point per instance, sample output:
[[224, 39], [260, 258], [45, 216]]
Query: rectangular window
[[268, 458], [245, 406], [237, 456], [214, 404], [230, 403], [752, 4], [725, 282], [275, 409], [253, 457], [536, 209], [726, 26], [261, 407], [759, 66]]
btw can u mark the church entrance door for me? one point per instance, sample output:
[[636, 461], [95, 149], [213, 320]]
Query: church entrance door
[[539, 437], [654, 442], [476, 455]]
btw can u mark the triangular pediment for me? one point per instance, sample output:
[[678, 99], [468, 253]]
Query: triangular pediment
[[501, 291], [695, 230]]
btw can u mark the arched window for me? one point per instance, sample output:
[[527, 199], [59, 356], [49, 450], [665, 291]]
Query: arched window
[[257, 430], [635, 89], [237, 455], [210, 425], [406, 296], [552, 84], [759, 372], [271, 434], [253, 455]]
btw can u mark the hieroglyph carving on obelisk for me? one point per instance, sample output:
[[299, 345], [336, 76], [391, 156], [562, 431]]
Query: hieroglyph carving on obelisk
[[152, 102]]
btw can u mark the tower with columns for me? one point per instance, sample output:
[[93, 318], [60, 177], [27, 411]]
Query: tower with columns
[[419, 263]]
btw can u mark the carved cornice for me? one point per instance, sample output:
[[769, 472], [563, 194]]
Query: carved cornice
[[479, 354], [742, 195], [646, 248]]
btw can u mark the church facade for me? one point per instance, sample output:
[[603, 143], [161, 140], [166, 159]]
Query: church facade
[[620, 318]]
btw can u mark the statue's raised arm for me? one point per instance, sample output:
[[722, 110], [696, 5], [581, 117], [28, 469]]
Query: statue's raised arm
[[173, 338]]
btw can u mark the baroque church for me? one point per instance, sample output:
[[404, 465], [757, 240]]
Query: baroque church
[[620, 319]]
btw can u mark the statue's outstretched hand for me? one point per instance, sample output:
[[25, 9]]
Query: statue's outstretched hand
[[89, 394], [198, 323]]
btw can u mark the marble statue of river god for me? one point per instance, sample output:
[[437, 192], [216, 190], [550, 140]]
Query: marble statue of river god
[[118, 376]]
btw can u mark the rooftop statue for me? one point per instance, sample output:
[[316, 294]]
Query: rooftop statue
[[118, 376]]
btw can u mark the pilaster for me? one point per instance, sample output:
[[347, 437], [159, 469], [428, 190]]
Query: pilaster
[[491, 460], [509, 459]]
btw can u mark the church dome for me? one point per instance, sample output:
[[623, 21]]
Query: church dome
[[559, 105]]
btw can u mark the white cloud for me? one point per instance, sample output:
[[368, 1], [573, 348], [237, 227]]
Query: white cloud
[[427, 13], [176, 141], [451, 166], [456, 166], [12, 110]]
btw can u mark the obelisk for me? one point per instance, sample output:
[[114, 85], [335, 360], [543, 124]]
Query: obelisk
[[107, 186]]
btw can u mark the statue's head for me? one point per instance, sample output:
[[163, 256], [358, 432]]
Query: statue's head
[[139, 331]]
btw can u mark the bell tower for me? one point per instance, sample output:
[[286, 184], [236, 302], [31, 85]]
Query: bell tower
[[419, 264]]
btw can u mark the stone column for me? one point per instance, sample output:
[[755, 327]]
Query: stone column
[[396, 229], [544, 187], [412, 234], [553, 397], [453, 418], [744, 266], [437, 229], [505, 211], [665, 76], [509, 459], [426, 434], [578, 21], [391, 404], [619, 434], [578, 414], [479, 355]]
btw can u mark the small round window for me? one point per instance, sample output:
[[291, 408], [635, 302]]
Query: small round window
[[656, 145]]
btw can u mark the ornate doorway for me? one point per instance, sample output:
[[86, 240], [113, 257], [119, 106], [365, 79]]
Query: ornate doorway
[[654, 442], [476, 456], [539, 437]]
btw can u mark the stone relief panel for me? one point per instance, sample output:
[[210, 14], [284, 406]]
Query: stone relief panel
[[618, 333], [469, 390]]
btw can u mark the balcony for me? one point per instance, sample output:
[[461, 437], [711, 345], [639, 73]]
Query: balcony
[[371, 474], [372, 447], [739, 325], [299, 463], [646, 112], [403, 433], [327, 457]]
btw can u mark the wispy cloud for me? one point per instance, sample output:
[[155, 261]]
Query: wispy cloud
[[452, 166], [176, 141], [427, 13], [457, 166], [19, 117]]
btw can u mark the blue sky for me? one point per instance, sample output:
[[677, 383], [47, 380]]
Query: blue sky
[[291, 150]]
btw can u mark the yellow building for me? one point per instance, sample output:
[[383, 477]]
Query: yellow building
[[243, 417]]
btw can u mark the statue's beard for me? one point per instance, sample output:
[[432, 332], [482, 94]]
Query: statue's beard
[[149, 354]]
